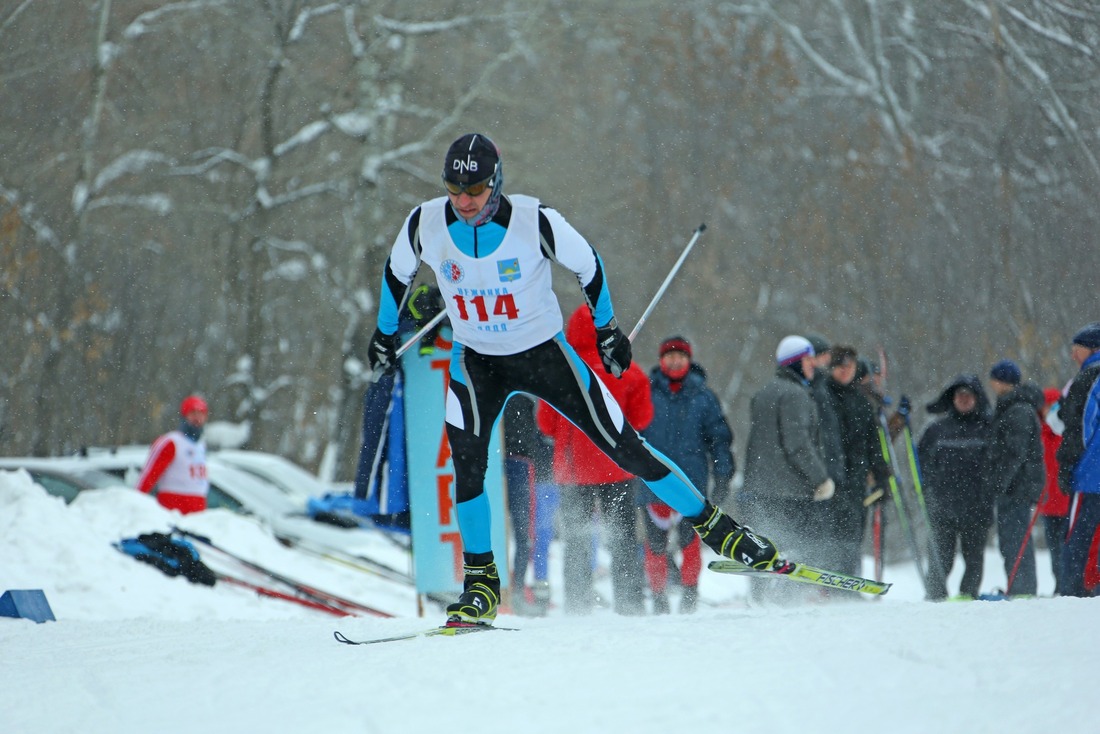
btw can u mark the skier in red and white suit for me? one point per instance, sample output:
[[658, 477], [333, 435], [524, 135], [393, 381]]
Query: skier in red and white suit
[[177, 462]]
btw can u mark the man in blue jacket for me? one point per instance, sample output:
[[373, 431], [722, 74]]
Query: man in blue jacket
[[1079, 459]]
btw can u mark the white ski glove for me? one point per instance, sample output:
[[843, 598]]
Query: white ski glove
[[825, 490]]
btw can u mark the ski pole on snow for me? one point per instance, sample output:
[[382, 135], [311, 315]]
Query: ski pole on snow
[[1023, 545], [668, 279]]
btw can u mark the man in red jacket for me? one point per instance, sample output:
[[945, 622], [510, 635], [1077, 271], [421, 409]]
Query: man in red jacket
[[1054, 503], [589, 480], [177, 462]]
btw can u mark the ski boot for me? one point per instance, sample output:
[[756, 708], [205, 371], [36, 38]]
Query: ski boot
[[728, 539], [660, 603], [689, 599], [480, 592], [541, 593]]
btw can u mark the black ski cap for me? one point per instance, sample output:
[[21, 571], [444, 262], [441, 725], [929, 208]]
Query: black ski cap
[[471, 158]]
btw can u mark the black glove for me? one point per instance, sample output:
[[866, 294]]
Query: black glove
[[614, 348], [382, 352]]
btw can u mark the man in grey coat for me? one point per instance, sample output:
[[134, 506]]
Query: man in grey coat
[[785, 472], [1015, 472]]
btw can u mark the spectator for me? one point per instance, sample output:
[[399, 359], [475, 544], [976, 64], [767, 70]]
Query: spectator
[[953, 459], [589, 480], [845, 514], [1079, 462], [689, 427], [1054, 503], [177, 462], [823, 355], [528, 470], [869, 381], [785, 472], [1014, 472], [829, 429]]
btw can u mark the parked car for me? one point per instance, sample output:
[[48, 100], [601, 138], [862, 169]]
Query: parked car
[[230, 487], [285, 474], [237, 490], [60, 479]]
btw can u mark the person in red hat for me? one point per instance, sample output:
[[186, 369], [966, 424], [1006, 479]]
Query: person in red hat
[[689, 427], [177, 462]]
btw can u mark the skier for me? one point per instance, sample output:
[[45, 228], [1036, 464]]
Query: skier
[[491, 256], [177, 462]]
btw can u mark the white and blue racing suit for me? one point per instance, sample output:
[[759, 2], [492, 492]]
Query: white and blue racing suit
[[507, 330]]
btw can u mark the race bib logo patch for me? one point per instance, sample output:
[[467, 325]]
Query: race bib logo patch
[[451, 271], [508, 270]]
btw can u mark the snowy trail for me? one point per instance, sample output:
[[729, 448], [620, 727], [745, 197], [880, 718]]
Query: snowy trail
[[910, 667], [135, 650]]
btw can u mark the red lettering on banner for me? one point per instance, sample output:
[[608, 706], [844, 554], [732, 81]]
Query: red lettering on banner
[[444, 454], [456, 552], [443, 493], [443, 365]]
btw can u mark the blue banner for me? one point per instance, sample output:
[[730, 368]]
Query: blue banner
[[437, 545]]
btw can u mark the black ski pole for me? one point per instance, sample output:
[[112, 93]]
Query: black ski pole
[[668, 279]]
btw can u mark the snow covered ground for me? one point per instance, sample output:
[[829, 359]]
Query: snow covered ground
[[135, 650]]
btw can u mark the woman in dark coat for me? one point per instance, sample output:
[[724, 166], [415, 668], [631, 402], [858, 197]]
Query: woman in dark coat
[[953, 454]]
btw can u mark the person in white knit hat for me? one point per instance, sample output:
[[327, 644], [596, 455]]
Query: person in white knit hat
[[785, 472]]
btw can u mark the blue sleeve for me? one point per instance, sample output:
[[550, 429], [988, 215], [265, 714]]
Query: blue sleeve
[[401, 267], [599, 296], [390, 296]]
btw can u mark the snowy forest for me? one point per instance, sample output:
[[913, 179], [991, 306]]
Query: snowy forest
[[199, 195]]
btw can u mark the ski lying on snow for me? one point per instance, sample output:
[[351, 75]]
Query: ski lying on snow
[[343, 607], [807, 575], [451, 629]]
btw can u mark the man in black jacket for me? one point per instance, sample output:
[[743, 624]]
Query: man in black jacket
[[1015, 471], [844, 515], [953, 456]]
